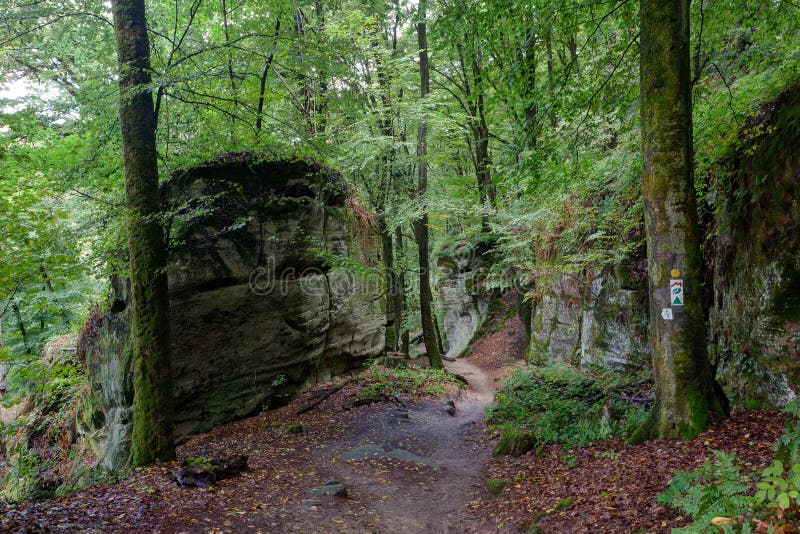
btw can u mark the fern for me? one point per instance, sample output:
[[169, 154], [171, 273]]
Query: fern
[[717, 488], [787, 448]]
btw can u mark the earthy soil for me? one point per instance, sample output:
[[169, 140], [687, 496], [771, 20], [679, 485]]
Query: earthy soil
[[413, 468]]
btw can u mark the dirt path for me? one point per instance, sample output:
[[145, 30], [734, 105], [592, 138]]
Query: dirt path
[[412, 468]]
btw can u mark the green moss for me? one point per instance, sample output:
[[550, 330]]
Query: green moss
[[647, 430], [515, 442], [563, 504], [538, 351], [341, 214], [697, 414], [786, 300], [538, 322], [199, 463], [495, 486]]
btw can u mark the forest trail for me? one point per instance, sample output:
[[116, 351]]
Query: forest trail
[[412, 469], [407, 468]]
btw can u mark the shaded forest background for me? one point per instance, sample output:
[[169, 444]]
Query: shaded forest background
[[532, 126]]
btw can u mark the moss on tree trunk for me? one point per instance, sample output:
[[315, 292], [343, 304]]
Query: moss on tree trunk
[[390, 279], [152, 403], [421, 224], [685, 389]]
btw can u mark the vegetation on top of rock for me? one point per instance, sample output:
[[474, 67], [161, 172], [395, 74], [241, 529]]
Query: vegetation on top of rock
[[51, 445]]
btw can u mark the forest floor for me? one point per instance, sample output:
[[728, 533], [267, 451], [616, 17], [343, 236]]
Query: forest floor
[[412, 468]]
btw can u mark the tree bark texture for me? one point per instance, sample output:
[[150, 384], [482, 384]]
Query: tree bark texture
[[686, 392], [400, 297], [153, 403], [21, 327], [421, 224], [390, 279]]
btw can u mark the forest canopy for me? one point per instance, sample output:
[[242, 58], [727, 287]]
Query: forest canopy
[[533, 125]]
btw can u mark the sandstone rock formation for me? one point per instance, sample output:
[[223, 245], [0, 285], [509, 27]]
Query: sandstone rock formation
[[258, 311], [591, 318], [465, 307]]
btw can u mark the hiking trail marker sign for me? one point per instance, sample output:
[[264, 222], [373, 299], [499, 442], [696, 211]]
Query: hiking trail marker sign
[[676, 292]]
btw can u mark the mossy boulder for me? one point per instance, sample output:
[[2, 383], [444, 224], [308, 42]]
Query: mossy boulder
[[591, 318], [515, 442]]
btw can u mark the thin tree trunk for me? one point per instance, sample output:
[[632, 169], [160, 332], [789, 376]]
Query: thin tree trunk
[[21, 327], [421, 225], [3, 364], [392, 327], [439, 337], [551, 88], [262, 89], [531, 106], [481, 138], [152, 437], [304, 101], [686, 392], [231, 76], [400, 297], [321, 92]]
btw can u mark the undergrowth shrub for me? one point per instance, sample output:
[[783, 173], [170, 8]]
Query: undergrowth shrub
[[720, 497], [405, 380], [718, 488], [556, 403], [49, 448]]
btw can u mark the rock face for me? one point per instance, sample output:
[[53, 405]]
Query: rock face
[[257, 311], [465, 307], [591, 318], [755, 318], [753, 239], [109, 360]]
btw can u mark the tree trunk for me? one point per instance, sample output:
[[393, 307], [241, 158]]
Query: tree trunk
[[321, 89], [550, 78], [531, 106], [231, 76], [439, 337], [421, 225], [481, 138], [152, 376], [400, 296], [21, 327], [686, 392], [262, 88], [390, 279], [3, 364]]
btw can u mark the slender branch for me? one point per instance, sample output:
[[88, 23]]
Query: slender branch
[[698, 67], [10, 299], [602, 86], [87, 196], [730, 94], [53, 21]]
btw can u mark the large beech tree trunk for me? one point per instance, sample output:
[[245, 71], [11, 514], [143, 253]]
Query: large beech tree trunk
[[152, 376], [421, 224], [686, 392]]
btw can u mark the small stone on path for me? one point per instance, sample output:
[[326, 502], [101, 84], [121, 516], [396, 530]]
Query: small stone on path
[[331, 487], [372, 451]]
